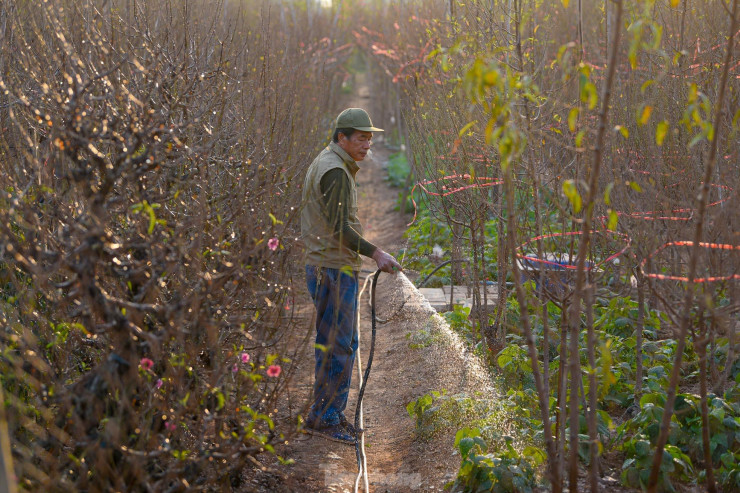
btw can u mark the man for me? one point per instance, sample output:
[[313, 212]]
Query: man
[[332, 234]]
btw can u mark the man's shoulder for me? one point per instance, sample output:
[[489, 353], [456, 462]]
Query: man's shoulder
[[328, 159], [327, 154]]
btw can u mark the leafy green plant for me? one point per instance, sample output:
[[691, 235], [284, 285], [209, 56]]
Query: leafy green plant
[[500, 471], [636, 468], [421, 338], [618, 316], [728, 475], [521, 407], [398, 169], [437, 411], [422, 410], [515, 365], [458, 319], [422, 236], [685, 438]]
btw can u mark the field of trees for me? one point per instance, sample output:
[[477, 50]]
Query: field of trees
[[582, 156]]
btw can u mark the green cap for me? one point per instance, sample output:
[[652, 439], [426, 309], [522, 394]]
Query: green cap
[[356, 118]]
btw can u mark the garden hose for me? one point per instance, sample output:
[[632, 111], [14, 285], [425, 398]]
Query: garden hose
[[360, 439], [446, 262]]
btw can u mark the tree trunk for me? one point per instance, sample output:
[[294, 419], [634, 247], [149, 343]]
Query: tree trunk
[[7, 476]]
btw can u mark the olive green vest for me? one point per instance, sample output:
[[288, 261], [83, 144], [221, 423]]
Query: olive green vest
[[322, 248]]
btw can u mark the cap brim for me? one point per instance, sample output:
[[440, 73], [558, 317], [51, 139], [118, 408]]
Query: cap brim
[[369, 129]]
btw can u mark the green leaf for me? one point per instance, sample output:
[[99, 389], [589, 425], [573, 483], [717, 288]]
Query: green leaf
[[653, 399], [642, 448], [466, 433], [622, 130], [697, 138], [635, 186], [719, 439], [466, 445], [660, 132], [645, 85], [728, 459], [536, 454], [572, 118]]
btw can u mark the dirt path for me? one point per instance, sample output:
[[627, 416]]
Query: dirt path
[[398, 460]]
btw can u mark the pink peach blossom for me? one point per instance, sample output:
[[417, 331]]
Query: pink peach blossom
[[273, 243], [273, 371], [146, 364]]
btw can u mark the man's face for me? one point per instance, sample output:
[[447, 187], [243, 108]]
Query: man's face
[[357, 145]]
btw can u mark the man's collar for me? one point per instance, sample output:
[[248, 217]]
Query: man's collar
[[351, 163]]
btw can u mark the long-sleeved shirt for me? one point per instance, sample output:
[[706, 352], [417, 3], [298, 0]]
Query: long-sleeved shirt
[[335, 188]]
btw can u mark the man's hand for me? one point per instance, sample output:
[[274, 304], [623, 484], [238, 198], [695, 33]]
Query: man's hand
[[386, 262]]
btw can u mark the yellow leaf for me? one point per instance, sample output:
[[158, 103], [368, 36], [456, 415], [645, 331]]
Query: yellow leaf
[[566, 3], [572, 117], [646, 112], [674, 3], [660, 132], [579, 138], [467, 127], [613, 218], [571, 192]]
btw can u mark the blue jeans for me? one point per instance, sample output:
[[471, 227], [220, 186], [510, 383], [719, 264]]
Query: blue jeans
[[334, 295]]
